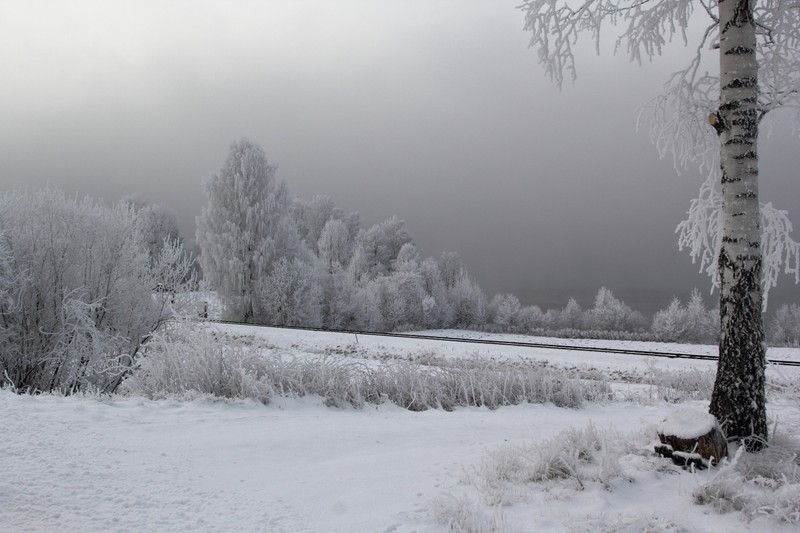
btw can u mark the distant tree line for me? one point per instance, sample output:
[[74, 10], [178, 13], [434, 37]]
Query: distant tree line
[[277, 259]]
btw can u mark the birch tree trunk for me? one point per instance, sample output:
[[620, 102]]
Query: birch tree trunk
[[739, 397]]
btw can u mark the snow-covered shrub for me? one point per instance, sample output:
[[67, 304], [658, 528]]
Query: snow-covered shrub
[[757, 484], [640, 336], [419, 388], [679, 385], [576, 457], [462, 515], [191, 360], [436, 382], [78, 296], [195, 363], [631, 523], [338, 383]]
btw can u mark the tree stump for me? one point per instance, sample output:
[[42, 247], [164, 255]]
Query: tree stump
[[691, 437]]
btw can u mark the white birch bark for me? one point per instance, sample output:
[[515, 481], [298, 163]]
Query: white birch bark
[[739, 400]]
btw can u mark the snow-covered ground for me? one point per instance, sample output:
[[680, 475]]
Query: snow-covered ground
[[299, 343], [130, 464]]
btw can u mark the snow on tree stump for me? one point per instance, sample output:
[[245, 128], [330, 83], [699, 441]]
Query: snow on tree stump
[[691, 438]]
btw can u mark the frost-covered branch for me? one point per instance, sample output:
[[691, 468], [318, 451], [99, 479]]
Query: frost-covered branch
[[555, 27], [677, 119], [779, 60], [701, 234]]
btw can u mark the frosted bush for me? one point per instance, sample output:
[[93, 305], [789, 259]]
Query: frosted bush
[[573, 456], [197, 364], [680, 385], [630, 524], [77, 294], [191, 359], [465, 516], [758, 484]]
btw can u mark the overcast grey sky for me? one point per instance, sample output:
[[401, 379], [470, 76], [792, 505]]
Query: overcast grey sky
[[433, 110]]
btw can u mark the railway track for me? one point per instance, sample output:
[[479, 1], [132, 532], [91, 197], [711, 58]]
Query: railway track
[[520, 344]]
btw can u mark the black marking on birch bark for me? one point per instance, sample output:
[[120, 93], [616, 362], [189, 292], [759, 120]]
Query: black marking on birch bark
[[744, 141], [738, 214], [749, 112], [739, 50], [750, 154], [726, 179], [741, 83], [749, 257], [743, 13], [747, 194], [732, 240], [746, 124]]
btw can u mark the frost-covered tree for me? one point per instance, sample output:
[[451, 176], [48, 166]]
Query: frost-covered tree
[[290, 295], [468, 303], [703, 323], [531, 318], [407, 290], [689, 323], [377, 249], [311, 216], [572, 316], [436, 309], [784, 328], [77, 298], [611, 314], [452, 269], [504, 310], [757, 47], [670, 324], [333, 246], [407, 259], [158, 222], [245, 228]]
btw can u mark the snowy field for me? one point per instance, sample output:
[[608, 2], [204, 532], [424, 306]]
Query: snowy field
[[92, 464], [304, 343]]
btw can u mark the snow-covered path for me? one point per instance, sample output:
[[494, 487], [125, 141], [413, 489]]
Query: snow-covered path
[[83, 464]]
